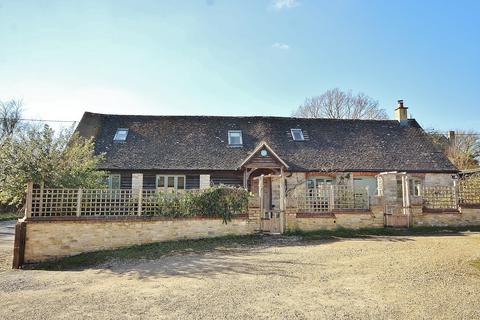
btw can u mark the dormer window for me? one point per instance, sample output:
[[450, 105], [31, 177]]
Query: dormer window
[[235, 137], [121, 134], [297, 134]]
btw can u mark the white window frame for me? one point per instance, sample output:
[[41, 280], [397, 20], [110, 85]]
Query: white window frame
[[230, 139], [118, 134], [175, 183], [299, 131], [415, 192]]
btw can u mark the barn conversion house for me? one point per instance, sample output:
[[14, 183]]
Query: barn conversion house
[[190, 152]]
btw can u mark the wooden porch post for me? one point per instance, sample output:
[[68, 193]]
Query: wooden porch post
[[331, 197], [455, 193], [40, 205], [260, 194], [140, 193], [403, 195], [282, 202], [79, 202], [245, 185]]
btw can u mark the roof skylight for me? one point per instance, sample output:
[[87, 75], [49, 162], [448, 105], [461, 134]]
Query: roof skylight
[[235, 137], [121, 134], [297, 134]]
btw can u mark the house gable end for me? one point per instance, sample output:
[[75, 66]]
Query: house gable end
[[263, 157]]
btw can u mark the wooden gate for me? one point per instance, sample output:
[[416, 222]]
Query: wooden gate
[[397, 213], [271, 217], [271, 222], [397, 220]]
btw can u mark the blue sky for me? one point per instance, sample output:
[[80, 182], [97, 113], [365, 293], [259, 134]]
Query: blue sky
[[240, 57]]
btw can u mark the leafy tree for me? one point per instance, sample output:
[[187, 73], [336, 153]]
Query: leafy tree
[[39, 155], [338, 104]]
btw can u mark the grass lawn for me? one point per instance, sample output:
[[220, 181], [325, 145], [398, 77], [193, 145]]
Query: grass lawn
[[160, 249], [8, 216], [369, 232]]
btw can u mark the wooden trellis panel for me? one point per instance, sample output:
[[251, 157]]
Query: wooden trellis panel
[[333, 197], [469, 190], [439, 197]]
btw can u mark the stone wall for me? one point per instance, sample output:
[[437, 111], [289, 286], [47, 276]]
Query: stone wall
[[48, 239], [355, 219], [52, 239], [465, 217]]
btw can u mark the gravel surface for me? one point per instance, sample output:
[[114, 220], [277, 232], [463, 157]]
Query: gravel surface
[[7, 233], [380, 277]]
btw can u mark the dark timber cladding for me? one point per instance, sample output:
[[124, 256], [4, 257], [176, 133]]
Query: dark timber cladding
[[192, 178], [257, 161], [200, 143]]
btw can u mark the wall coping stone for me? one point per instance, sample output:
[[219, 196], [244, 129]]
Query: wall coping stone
[[333, 213], [328, 214], [440, 211], [470, 206], [242, 216]]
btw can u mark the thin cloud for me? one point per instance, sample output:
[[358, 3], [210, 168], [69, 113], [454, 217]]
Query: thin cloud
[[281, 46], [285, 4]]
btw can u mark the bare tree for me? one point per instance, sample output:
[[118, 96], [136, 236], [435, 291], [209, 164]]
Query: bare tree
[[338, 104], [463, 150], [10, 116]]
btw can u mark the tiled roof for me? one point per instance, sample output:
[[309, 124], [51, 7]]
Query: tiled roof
[[201, 143]]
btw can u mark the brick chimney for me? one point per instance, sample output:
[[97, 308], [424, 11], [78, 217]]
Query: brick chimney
[[401, 112], [451, 137]]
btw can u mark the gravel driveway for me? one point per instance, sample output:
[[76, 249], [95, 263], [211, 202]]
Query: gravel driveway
[[380, 277], [7, 233]]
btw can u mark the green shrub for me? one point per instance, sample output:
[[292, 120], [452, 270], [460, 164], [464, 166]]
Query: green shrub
[[219, 201]]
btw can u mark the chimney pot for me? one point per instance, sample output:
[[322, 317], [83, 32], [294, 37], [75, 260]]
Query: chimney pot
[[400, 103]]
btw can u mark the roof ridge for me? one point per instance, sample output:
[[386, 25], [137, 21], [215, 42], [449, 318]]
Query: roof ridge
[[233, 117]]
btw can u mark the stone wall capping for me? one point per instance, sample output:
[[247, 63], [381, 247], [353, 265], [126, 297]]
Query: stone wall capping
[[129, 218]]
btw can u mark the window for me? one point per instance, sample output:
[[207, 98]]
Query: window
[[121, 134], [360, 183], [170, 183], [297, 134], [113, 181], [414, 186], [235, 137], [312, 183]]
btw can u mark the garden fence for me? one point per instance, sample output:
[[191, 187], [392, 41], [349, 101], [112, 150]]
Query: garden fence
[[333, 197], [51, 202]]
